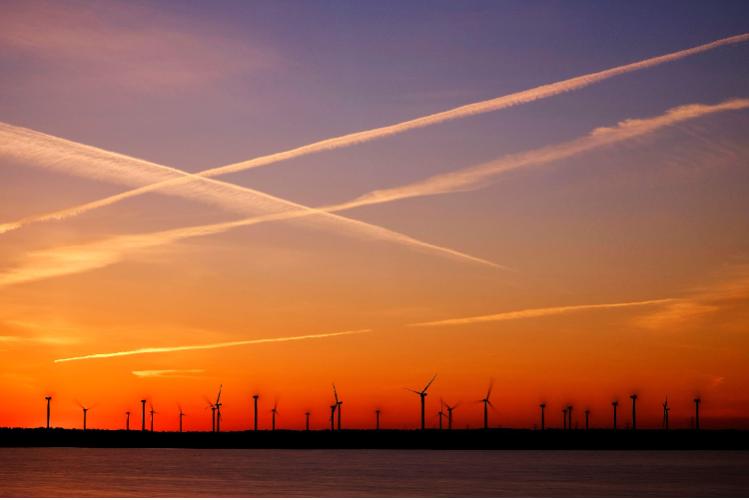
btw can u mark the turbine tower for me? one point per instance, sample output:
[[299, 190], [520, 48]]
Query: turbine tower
[[332, 415], [127, 420], [564, 418], [569, 417], [666, 409], [152, 412], [587, 419], [274, 412], [543, 419], [306, 421], [450, 415], [218, 405], [633, 397], [377, 419], [255, 397], [487, 403], [181, 414], [143, 415], [85, 412], [48, 398], [422, 395], [338, 403], [614, 404], [697, 402], [441, 413]]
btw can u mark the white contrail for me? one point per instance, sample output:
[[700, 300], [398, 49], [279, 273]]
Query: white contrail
[[537, 313], [79, 258], [495, 104], [169, 373], [202, 347], [79, 159], [477, 176]]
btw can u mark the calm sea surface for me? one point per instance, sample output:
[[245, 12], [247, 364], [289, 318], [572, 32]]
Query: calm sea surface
[[178, 472]]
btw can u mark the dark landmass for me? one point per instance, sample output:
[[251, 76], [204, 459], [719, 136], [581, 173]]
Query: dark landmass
[[492, 439]]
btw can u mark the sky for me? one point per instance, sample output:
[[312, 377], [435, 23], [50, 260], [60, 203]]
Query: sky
[[572, 236]]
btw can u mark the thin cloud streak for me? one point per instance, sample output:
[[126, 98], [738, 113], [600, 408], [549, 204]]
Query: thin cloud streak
[[70, 157], [477, 176], [79, 258], [498, 103], [537, 313], [203, 347], [169, 373]]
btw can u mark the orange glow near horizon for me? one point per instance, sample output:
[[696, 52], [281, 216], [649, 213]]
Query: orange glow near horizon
[[572, 227]]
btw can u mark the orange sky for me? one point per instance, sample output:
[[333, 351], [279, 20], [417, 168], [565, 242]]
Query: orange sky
[[511, 224]]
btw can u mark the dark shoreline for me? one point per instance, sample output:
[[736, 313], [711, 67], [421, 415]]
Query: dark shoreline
[[493, 439]]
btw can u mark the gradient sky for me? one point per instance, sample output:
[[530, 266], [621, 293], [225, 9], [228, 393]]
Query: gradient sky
[[655, 226]]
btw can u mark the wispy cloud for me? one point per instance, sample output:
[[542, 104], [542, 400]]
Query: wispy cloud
[[723, 302], [477, 176], [70, 157], [126, 44], [346, 140], [539, 312], [169, 373], [79, 258], [203, 347]]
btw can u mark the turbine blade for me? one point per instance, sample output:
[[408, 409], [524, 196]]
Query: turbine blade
[[430, 383]]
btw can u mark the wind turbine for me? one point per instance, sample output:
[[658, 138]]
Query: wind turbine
[[569, 417], [306, 421], [614, 404], [332, 415], [255, 397], [338, 403], [487, 404], [48, 398], [218, 405], [181, 414], [666, 409], [213, 413], [564, 418], [587, 419], [633, 397], [422, 395], [697, 402], [543, 420], [274, 412], [127, 420], [152, 412], [377, 419], [85, 413], [450, 415], [441, 413], [143, 415]]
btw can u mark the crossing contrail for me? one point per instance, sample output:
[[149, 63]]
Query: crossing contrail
[[476, 176], [79, 258], [87, 161], [537, 313], [498, 103], [203, 347]]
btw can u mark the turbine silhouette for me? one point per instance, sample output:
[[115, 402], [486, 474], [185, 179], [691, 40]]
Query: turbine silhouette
[[614, 405], [487, 403], [255, 397], [127, 420], [143, 415], [697, 402], [633, 397], [422, 395], [48, 398], [543, 416], [338, 403], [274, 412]]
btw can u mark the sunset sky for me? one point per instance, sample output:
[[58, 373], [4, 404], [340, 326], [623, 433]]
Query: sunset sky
[[574, 236]]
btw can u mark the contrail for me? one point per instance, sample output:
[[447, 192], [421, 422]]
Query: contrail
[[79, 258], [476, 176], [168, 373], [79, 159], [203, 347], [498, 103], [536, 313]]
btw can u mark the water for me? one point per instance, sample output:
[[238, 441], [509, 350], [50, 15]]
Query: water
[[52, 472]]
